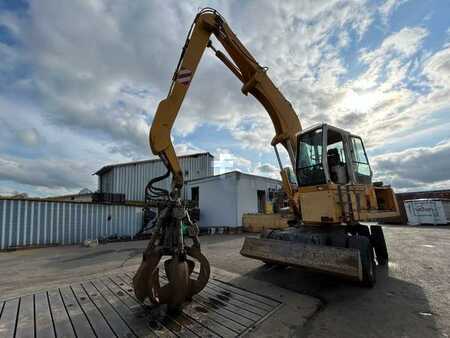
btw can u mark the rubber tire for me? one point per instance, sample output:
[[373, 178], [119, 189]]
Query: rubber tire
[[379, 244], [362, 243], [363, 230], [268, 263]]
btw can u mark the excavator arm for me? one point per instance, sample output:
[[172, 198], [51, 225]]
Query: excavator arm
[[168, 238], [243, 65]]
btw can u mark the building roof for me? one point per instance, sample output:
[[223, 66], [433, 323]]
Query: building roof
[[231, 173], [107, 168], [425, 193]]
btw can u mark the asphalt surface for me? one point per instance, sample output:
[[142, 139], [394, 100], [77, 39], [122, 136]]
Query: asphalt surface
[[411, 297]]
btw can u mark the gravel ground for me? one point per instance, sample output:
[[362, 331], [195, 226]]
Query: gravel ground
[[411, 298]]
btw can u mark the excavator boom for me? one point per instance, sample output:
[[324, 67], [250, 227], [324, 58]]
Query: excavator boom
[[242, 64]]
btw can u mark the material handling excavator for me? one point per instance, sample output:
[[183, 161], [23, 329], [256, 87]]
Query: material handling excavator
[[333, 194]]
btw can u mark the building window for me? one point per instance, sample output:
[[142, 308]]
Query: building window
[[195, 194], [271, 194], [186, 173], [261, 195]]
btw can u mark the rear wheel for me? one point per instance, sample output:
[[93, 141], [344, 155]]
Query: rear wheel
[[362, 243], [379, 244]]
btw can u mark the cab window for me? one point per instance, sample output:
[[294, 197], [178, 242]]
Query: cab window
[[309, 165], [360, 162]]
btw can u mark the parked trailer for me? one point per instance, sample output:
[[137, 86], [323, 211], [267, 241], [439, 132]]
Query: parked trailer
[[428, 211], [34, 222]]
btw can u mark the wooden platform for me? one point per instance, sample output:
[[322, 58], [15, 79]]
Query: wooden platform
[[106, 307]]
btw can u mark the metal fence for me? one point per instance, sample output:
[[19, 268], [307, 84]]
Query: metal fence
[[36, 222]]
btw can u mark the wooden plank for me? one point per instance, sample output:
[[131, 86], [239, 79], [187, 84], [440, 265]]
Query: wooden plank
[[100, 326], [242, 312], [79, 320], [117, 324], [43, 318], [250, 295], [167, 321], [139, 310], [235, 301], [134, 322], [254, 300], [61, 321], [207, 318], [193, 325], [204, 316], [179, 329], [256, 306], [229, 318], [25, 320], [8, 318], [218, 312], [181, 318], [227, 290]]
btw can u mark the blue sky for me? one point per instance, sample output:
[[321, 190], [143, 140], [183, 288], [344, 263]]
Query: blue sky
[[79, 84]]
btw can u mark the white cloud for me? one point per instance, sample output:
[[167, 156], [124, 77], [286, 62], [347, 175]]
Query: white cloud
[[102, 80], [29, 137], [422, 168], [82, 71], [437, 68], [47, 173], [225, 160], [388, 8], [404, 43], [268, 170]]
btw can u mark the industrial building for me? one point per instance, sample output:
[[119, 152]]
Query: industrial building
[[223, 199], [116, 209], [132, 177]]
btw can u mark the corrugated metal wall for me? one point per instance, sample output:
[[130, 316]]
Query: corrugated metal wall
[[131, 179], [34, 222]]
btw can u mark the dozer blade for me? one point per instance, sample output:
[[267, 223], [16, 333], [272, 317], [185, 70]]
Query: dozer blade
[[336, 260]]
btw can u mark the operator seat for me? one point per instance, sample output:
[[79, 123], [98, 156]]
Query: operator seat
[[337, 168]]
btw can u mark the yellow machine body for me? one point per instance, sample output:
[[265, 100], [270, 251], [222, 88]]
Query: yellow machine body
[[337, 204]]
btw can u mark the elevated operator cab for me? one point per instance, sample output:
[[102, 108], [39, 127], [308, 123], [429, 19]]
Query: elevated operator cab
[[331, 155], [332, 168]]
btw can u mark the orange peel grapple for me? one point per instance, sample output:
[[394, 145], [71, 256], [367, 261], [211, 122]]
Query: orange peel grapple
[[169, 240]]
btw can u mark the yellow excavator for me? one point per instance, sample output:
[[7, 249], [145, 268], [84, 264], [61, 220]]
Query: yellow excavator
[[333, 194]]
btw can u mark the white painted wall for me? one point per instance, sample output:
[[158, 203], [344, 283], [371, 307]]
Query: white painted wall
[[223, 199], [217, 200], [247, 187]]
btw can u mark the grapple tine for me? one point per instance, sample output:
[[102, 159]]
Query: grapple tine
[[197, 285], [143, 279]]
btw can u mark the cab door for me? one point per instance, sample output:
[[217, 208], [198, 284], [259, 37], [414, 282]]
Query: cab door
[[362, 172]]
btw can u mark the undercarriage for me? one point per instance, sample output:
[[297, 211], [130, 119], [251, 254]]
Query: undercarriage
[[347, 250]]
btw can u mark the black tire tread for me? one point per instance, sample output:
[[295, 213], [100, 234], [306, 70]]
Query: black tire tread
[[362, 243], [379, 244]]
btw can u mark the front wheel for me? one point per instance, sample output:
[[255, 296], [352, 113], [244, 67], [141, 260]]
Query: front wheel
[[379, 244], [368, 264]]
